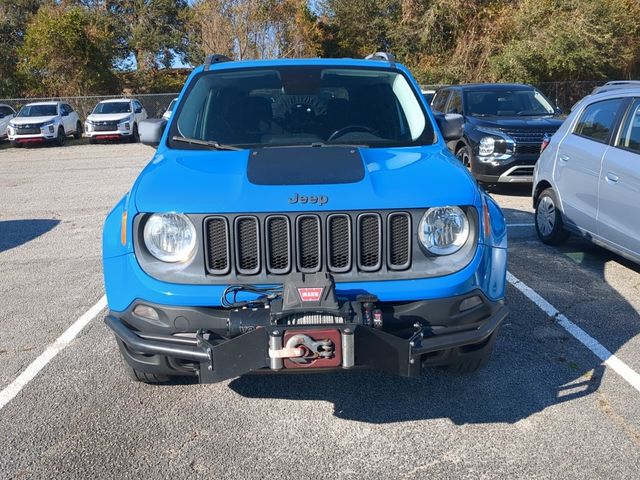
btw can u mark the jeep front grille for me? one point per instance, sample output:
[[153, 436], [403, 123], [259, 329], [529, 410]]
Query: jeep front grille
[[284, 243]]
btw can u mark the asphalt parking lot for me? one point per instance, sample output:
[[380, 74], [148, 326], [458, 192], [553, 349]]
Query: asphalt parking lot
[[545, 407]]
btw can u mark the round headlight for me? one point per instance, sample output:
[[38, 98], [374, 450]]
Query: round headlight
[[443, 230], [487, 146], [170, 237]]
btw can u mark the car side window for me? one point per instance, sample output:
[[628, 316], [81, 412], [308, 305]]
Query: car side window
[[137, 106], [5, 111], [67, 107], [598, 119], [455, 103], [440, 101], [629, 137]]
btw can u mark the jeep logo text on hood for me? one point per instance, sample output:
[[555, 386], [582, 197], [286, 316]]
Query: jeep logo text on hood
[[319, 199]]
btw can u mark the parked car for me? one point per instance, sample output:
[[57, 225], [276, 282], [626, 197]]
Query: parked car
[[504, 127], [303, 215], [587, 180], [167, 114], [44, 122], [6, 115], [115, 119]]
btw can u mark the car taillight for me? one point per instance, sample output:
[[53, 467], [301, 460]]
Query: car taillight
[[545, 142]]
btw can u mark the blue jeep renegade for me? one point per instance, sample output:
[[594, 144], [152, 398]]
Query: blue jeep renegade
[[303, 215]]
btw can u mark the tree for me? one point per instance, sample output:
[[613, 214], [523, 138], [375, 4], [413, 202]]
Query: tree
[[153, 31], [244, 29], [67, 51], [579, 40], [14, 15]]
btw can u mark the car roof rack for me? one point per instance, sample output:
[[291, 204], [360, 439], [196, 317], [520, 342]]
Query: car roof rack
[[215, 58], [616, 85], [384, 56]]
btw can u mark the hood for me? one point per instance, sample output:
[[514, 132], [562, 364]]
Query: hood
[[218, 182], [514, 124], [107, 117], [32, 120]]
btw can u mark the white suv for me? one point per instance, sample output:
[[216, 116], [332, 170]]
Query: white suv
[[587, 179], [44, 121], [6, 115], [115, 119]]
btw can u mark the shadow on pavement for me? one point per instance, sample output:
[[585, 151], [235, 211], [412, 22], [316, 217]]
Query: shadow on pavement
[[14, 233]]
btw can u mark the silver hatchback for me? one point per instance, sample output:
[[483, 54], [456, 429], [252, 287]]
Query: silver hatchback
[[587, 179]]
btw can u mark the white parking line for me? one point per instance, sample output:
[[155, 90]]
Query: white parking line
[[609, 359], [11, 390]]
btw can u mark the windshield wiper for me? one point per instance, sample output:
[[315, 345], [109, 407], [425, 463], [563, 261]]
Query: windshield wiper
[[315, 145], [205, 143]]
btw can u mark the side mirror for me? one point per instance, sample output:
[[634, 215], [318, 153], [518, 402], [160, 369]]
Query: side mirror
[[451, 125], [138, 110], [151, 131], [2, 115], [65, 114]]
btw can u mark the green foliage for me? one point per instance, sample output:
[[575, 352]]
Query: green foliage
[[574, 40], [67, 51], [14, 15], [55, 47]]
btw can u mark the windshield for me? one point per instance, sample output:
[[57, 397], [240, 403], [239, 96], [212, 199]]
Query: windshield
[[505, 103], [38, 111], [112, 107], [265, 107]]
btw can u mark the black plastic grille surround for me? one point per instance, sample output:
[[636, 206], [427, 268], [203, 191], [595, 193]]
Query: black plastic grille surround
[[247, 235], [218, 245], [106, 126], [27, 130], [369, 241], [281, 243], [399, 240], [308, 243], [339, 242]]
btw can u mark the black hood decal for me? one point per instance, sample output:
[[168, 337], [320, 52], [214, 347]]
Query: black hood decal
[[305, 165]]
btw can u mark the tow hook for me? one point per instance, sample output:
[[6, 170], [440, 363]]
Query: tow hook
[[303, 349]]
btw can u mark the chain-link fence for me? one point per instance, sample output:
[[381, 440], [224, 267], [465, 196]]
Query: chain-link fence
[[564, 94], [155, 104]]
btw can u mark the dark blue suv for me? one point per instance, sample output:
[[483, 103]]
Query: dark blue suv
[[303, 215], [504, 127]]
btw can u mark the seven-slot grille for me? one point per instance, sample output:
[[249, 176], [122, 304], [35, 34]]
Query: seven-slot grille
[[281, 244]]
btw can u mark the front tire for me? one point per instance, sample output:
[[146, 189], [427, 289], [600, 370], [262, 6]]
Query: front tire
[[548, 219], [135, 136], [62, 137], [464, 155], [473, 357], [142, 377]]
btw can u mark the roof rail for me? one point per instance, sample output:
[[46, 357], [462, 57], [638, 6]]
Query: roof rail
[[384, 56], [616, 85], [215, 58]]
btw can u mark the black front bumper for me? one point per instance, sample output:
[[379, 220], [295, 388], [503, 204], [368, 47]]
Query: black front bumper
[[417, 335], [519, 169]]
